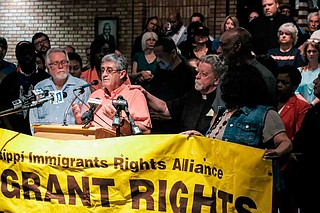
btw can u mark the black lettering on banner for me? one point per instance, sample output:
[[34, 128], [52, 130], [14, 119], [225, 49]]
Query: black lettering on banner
[[189, 166], [104, 193], [136, 194], [73, 187], [226, 198], [173, 197], [5, 181], [162, 195], [54, 183], [137, 165], [199, 200], [241, 201], [34, 186]]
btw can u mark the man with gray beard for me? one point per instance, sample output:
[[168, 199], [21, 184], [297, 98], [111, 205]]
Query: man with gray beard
[[193, 110]]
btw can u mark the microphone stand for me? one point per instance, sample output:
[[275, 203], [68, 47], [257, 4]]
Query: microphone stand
[[116, 121], [81, 91], [14, 110], [134, 128]]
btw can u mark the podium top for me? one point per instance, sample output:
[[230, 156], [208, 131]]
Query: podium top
[[71, 132]]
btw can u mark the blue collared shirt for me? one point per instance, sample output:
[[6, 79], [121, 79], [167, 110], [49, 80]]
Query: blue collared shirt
[[50, 113]]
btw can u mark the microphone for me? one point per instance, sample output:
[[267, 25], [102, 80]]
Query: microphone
[[55, 97], [119, 104], [27, 100], [122, 104], [95, 82], [87, 116]]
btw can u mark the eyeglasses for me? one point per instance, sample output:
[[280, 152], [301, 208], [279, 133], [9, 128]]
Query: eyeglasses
[[56, 64], [41, 42], [314, 40], [109, 71], [312, 51]]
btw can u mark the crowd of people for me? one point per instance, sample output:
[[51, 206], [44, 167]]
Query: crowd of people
[[257, 85]]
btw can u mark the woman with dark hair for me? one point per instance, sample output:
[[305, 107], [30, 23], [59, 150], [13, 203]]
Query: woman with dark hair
[[98, 49], [152, 25], [247, 121]]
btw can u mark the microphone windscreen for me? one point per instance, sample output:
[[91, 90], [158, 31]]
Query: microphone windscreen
[[64, 94], [95, 82]]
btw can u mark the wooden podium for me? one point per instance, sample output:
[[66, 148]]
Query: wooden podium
[[72, 132]]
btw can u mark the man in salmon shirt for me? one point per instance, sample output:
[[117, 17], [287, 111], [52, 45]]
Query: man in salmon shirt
[[114, 77]]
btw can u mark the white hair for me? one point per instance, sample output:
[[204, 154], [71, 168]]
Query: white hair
[[145, 37], [291, 28]]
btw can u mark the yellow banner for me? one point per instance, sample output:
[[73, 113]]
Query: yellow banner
[[145, 173]]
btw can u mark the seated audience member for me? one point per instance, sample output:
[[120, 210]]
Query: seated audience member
[[287, 53], [193, 110], [20, 85], [57, 63], [303, 143], [145, 62], [173, 79], [75, 64], [5, 67], [113, 75], [247, 121], [41, 42], [98, 49], [310, 54], [292, 109]]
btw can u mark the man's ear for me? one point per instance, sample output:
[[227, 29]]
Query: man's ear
[[123, 73], [174, 52], [237, 46], [216, 81]]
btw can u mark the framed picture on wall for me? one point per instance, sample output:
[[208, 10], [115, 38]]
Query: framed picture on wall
[[106, 28]]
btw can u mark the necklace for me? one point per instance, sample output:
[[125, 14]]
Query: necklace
[[222, 121]]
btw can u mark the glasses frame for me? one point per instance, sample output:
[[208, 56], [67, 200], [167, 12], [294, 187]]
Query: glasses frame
[[56, 64], [110, 71]]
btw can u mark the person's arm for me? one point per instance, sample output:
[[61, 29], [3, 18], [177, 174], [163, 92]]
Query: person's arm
[[283, 146], [315, 101]]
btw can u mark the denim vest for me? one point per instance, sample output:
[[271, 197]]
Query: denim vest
[[246, 128]]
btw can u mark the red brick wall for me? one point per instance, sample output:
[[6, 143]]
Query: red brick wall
[[71, 22]]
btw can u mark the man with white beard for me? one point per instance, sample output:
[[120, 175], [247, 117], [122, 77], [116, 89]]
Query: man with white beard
[[193, 110]]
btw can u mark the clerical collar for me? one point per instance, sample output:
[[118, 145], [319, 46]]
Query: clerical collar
[[204, 97]]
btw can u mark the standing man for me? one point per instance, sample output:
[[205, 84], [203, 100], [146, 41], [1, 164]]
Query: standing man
[[193, 110], [176, 29], [19, 85], [41, 42], [173, 79], [57, 62], [5, 67], [236, 49], [264, 28]]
